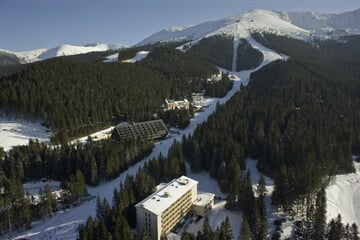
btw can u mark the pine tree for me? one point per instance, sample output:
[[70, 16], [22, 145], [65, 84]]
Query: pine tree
[[206, 231], [48, 201], [260, 227], [245, 232], [320, 215], [354, 232], [233, 180], [261, 187], [336, 229], [102, 232], [25, 212], [225, 230], [247, 199]]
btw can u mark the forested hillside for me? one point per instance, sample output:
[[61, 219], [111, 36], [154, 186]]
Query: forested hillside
[[219, 50], [75, 97], [299, 118], [186, 74], [247, 56]]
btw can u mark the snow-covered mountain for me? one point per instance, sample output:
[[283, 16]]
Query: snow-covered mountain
[[325, 24], [301, 25], [62, 50]]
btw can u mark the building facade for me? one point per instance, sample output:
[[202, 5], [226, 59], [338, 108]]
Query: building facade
[[162, 210]]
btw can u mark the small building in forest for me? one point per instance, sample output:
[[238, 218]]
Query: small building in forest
[[171, 104], [154, 129]]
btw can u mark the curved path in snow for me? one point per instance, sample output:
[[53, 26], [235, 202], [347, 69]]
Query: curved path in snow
[[64, 225]]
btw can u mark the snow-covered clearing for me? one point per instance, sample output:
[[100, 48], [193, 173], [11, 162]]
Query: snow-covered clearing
[[16, 132], [139, 56], [112, 58], [343, 197], [64, 225]]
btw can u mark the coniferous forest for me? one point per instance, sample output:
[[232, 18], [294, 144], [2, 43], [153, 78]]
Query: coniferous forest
[[298, 117], [219, 50], [75, 97]]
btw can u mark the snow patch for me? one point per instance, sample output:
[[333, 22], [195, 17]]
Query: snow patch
[[97, 136], [16, 132], [33, 187], [112, 58], [138, 57], [68, 50], [343, 197]]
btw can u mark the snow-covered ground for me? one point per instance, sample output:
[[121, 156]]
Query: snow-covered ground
[[139, 56], [33, 187], [64, 224], [112, 58], [97, 136], [62, 50], [16, 132], [300, 25], [343, 197]]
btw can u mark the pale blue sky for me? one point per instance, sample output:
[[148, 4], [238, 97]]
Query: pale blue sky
[[30, 24]]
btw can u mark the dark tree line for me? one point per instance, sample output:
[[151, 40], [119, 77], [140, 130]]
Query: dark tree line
[[298, 117], [185, 73], [219, 50], [247, 56], [97, 161]]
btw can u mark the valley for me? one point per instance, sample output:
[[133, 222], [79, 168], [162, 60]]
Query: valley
[[277, 140], [64, 224]]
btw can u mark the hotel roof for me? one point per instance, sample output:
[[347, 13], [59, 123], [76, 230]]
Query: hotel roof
[[162, 199]]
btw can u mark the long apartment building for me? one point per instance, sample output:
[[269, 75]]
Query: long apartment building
[[162, 210], [150, 130]]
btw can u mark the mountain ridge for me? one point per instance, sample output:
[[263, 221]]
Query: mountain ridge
[[300, 25], [61, 50]]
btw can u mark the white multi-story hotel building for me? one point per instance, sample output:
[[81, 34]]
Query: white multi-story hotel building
[[162, 210]]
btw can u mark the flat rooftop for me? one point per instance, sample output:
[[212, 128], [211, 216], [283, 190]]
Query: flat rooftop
[[204, 198], [159, 201]]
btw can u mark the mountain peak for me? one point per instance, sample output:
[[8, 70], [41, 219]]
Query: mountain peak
[[300, 25]]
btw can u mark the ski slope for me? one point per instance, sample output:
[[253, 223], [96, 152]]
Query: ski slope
[[64, 224], [343, 197]]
